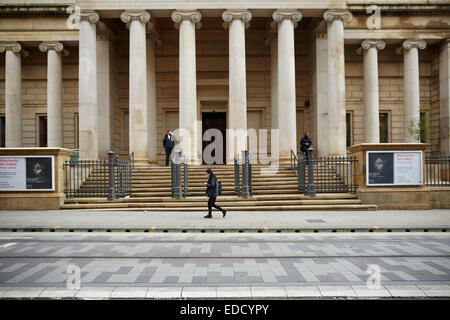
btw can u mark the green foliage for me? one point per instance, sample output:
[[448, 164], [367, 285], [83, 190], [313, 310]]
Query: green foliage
[[420, 129]]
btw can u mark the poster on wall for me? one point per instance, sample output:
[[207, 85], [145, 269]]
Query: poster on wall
[[390, 168], [27, 173]]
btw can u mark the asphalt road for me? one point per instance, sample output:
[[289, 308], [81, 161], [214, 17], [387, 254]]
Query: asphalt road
[[166, 259]]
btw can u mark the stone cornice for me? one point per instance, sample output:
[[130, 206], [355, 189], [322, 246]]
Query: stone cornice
[[181, 15], [414, 43], [128, 16], [280, 15], [14, 47], [229, 15], [331, 15]]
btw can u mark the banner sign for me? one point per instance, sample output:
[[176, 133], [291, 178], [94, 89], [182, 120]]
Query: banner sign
[[29, 173], [394, 168]]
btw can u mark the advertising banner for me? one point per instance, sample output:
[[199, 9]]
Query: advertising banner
[[27, 173], [391, 168]]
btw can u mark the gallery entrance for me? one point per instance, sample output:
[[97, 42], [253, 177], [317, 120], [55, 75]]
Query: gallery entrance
[[214, 120]]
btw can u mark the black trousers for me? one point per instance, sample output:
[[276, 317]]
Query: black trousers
[[211, 204], [168, 152]]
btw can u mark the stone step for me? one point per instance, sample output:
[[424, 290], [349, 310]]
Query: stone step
[[318, 207]]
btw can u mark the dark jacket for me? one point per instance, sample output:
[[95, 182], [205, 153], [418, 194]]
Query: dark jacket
[[303, 142], [211, 188], [168, 144]]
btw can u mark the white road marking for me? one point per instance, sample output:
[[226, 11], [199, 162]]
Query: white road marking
[[10, 244]]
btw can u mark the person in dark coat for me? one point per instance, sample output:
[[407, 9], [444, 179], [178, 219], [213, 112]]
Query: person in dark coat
[[168, 143], [212, 193], [305, 143]]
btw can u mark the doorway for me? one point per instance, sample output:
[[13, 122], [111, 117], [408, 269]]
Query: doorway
[[214, 120]]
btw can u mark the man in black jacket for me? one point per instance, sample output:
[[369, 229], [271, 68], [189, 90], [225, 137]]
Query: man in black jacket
[[305, 143], [168, 143], [212, 193]]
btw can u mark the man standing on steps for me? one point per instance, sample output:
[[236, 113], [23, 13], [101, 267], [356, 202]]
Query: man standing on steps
[[305, 144], [212, 192], [168, 143]]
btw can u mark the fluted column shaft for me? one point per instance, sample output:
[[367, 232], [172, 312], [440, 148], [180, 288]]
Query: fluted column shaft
[[411, 91], [87, 75], [286, 87], [236, 22], [55, 137], [13, 99], [371, 90], [336, 81], [186, 22], [152, 42], [138, 135]]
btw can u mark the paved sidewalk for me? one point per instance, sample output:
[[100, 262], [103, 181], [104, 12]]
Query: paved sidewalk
[[277, 292], [63, 220]]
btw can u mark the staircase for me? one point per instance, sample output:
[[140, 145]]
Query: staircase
[[274, 191]]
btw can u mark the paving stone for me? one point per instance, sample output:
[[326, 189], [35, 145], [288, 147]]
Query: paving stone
[[268, 292], [405, 291], [234, 292], [94, 293], [129, 292], [23, 292], [337, 291], [163, 292], [436, 290], [302, 291], [199, 292], [364, 292], [58, 293], [3, 290]]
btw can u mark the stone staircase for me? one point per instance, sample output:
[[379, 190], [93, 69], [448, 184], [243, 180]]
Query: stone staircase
[[271, 191]]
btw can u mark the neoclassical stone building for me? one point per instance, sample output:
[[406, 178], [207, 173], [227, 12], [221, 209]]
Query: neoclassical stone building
[[116, 75]]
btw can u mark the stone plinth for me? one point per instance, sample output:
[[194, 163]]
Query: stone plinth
[[37, 200]]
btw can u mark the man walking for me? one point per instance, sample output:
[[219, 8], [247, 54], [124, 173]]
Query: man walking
[[168, 143], [212, 193]]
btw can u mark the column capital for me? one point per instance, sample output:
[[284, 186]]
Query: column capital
[[46, 46], [414, 43], [280, 15], [89, 16], [14, 47], [229, 15], [371, 43], [128, 16], [183, 15], [331, 15]]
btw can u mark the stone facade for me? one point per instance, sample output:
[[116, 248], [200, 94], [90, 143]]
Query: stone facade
[[224, 62]]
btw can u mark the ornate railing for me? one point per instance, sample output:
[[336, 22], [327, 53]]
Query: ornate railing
[[437, 171]]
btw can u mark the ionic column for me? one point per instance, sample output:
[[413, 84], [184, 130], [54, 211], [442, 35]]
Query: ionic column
[[13, 88], [411, 91], [152, 42], [444, 95], [336, 81], [87, 86], [371, 99], [287, 21], [272, 42], [236, 21], [55, 136], [186, 22], [138, 85]]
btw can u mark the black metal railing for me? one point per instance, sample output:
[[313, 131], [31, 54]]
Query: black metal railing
[[243, 175], [325, 174], [437, 170], [110, 178], [179, 175]]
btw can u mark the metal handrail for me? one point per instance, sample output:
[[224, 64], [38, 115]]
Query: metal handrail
[[294, 161]]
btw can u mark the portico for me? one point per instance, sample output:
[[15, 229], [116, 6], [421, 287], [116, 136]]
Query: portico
[[294, 69]]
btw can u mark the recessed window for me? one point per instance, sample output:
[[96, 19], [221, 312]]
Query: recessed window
[[349, 128], [384, 127], [42, 130], [2, 131], [423, 126]]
